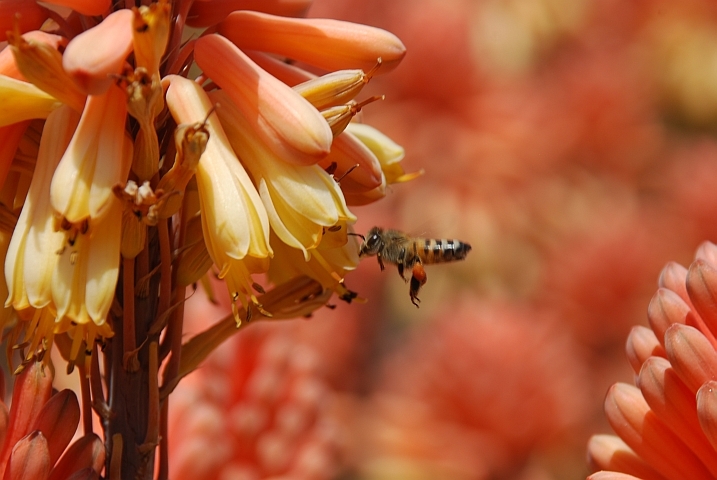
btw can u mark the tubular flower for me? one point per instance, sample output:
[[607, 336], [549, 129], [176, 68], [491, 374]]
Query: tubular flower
[[123, 184], [300, 200], [667, 423]]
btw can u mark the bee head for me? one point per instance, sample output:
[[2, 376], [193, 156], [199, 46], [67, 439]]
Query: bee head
[[373, 243]]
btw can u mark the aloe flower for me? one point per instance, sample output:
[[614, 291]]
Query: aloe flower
[[142, 181], [666, 424]]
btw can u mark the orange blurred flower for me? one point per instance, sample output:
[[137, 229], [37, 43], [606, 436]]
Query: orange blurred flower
[[258, 408], [667, 423]]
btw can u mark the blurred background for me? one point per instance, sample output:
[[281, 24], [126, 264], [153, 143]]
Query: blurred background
[[572, 144]]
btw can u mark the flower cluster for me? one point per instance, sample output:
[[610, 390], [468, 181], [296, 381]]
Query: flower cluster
[[261, 155], [666, 424], [125, 180]]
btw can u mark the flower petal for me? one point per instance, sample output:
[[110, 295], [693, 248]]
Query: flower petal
[[691, 355], [23, 101], [324, 43], [234, 219], [95, 55], [95, 161], [280, 117], [609, 452], [675, 405], [642, 344], [643, 431], [707, 410]]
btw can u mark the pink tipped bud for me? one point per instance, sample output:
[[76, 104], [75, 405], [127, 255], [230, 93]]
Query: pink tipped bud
[[281, 118], [324, 43], [94, 56]]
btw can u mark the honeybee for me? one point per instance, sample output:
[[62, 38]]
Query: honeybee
[[411, 253]]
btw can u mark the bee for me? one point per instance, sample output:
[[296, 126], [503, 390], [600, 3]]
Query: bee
[[409, 253]]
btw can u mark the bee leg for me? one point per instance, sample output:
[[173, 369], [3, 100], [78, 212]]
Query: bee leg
[[380, 262], [400, 271], [418, 279]]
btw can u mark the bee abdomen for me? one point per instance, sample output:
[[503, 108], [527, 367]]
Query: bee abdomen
[[439, 251]]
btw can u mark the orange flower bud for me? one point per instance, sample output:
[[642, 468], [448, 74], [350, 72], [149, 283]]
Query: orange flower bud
[[324, 43]]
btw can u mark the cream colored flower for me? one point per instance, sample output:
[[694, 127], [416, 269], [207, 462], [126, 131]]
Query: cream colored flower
[[301, 201]]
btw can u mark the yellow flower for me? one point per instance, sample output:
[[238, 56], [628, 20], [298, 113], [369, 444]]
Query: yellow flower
[[94, 162], [279, 116], [234, 220], [301, 201]]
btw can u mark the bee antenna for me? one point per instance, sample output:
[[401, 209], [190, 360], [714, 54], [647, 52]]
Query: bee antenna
[[357, 235]]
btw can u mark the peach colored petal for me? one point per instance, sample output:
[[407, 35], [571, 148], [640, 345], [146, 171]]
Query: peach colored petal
[[283, 119], [675, 405], [666, 308], [674, 277], [8, 66], [58, 421], [28, 14], [701, 287], [209, 12], [85, 7], [95, 55], [324, 43], [707, 411], [632, 419], [691, 355], [641, 345], [707, 251], [608, 452], [30, 459], [348, 152]]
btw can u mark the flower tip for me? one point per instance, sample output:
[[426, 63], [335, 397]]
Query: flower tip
[[94, 56]]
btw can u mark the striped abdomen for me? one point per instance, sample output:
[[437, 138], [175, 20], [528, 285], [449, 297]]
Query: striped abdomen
[[430, 250]]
